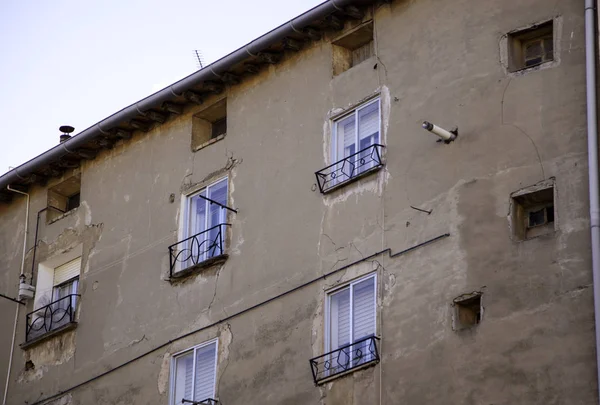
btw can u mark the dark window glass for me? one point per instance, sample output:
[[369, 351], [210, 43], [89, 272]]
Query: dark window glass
[[219, 127], [73, 202]]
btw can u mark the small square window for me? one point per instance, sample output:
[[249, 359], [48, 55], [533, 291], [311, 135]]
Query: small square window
[[532, 212], [63, 198], [193, 375], [209, 125], [353, 47], [468, 311], [531, 47]]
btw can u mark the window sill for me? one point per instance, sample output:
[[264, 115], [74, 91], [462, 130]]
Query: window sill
[[520, 71], [197, 268], [372, 363], [58, 331], [353, 179], [207, 143]]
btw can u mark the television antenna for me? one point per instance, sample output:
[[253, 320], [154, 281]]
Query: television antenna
[[199, 58]]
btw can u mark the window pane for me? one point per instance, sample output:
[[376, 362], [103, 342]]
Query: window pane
[[184, 369], [368, 122], [364, 309], [340, 319], [205, 372], [345, 142], [217, 192], [363, 320]]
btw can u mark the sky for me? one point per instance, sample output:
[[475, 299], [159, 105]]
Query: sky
[[73, 62]]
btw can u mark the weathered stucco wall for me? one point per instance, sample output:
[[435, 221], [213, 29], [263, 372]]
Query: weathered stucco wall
[[438, 61]]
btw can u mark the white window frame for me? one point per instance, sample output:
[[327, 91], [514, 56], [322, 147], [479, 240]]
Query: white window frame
[[187, 351], [354, 111], [349, 285], [184, 223]]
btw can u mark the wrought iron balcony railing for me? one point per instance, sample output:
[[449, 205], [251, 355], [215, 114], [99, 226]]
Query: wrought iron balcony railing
[[197, 248], [359, 354], [51, 317], [207, 401], [350, 168]]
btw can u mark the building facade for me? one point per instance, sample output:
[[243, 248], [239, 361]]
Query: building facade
[[287, 232]]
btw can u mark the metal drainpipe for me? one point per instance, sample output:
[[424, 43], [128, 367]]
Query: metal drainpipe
[[592, 129], [12, 345]]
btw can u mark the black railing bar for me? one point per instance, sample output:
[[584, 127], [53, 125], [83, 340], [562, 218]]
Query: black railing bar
[[203, 402], [422, 210], [348, 157], [218, 203], [345, 347], [232, 316], [12, 299], [54, 302], [200, 233]]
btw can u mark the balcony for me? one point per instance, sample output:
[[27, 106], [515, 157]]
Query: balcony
[[207, 401], [54, 317], [350, 168], [360, 354], [199, 250]]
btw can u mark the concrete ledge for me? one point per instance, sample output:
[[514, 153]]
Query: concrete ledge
[[48, 335], [345, 373], [353, 179], [197, 268]]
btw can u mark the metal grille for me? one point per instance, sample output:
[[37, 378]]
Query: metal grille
[[51, 317], [361, 353], [197, 248], [350, 168]]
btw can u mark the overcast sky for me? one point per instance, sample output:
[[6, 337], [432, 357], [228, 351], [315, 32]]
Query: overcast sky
[[76, 62]]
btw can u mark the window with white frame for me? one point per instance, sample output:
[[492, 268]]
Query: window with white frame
[[203, 224], [66, 281], [193, 374], [351, 319], [354, 135]]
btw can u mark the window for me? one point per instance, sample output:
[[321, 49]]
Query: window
[[63, 197], [351, 320], [353, 47], [532, 211], [56, 296], [193, 374], [204, 225], [531, 47], [467, 311], [209, 125], [66, 281], [353, 140]]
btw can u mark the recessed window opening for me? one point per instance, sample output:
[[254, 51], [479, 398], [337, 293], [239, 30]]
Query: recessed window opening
[[353, 48], [467, 311], [63, 197], [209, 125], [532, 212], [193, 374], [531, 47]]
